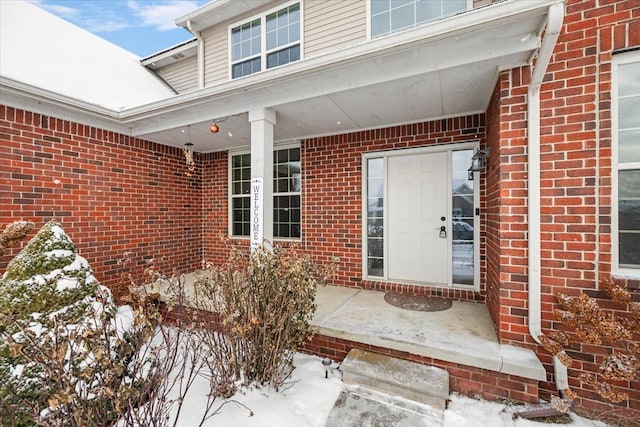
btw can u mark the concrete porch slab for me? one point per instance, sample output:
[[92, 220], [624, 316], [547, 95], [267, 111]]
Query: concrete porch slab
[[463, 334]]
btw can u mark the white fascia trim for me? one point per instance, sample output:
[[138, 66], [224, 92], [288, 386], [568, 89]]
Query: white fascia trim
[[217, 6], [166, 57], [468, 22], [23, 96]]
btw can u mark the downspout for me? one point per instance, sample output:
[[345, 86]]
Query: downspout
[[552, 31], [198, 37]]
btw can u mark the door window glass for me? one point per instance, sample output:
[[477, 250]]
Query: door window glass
[[462, 218], [375, 217]]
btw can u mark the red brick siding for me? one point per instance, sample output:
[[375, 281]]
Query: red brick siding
[[112, 193], [576, 168], [215, 207], [463, 379], [332, 198], [575, 182]]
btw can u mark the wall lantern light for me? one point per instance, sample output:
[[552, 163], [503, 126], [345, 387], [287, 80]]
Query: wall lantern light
[[478, 162]]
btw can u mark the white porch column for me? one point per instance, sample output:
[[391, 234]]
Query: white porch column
[[262, 122]]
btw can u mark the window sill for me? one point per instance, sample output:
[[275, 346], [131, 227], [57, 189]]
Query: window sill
[[275, 239], [629, 277]]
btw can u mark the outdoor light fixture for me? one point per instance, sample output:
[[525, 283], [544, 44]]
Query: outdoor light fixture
[[188, 151], [326, 362], [215, 128], [478, 162]]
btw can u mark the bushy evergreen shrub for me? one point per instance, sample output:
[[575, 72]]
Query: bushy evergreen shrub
[[65, 348]]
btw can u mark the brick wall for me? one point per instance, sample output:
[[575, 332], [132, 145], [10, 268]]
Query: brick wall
[[575, 184], [112, 193], [215, 206], [506, 226], [116, 194], [332, 198]]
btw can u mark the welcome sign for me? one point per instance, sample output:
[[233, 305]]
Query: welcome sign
[[257, 212]]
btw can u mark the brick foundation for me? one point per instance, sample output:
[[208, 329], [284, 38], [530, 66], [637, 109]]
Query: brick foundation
[[467, 380]]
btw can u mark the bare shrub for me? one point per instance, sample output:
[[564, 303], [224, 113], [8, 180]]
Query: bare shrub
[[14, 233], [588, 323], [263, 303]]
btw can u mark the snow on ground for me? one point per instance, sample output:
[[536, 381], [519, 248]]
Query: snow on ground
[[307, 399], [304, 401], [467, 412]]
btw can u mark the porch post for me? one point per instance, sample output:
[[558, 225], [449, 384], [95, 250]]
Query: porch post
[[262, 122]]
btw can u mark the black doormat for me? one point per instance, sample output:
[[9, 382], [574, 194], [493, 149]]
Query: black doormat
[[417, 302]]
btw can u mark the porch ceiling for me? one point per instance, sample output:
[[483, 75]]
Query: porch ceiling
[[446, 69]]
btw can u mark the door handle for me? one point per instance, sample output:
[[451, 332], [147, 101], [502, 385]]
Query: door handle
[[443, 232]]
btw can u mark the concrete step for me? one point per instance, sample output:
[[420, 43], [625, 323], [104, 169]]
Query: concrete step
[[366, 408], [412, 381]]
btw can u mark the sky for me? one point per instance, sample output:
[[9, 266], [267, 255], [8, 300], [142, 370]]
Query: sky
[[143, 27]]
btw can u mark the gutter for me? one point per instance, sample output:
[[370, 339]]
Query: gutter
[[458, 25], [552, 31], [198, 37]]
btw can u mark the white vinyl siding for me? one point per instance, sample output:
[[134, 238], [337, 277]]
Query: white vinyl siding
[[216, 45], [331, 25], [182, 76]]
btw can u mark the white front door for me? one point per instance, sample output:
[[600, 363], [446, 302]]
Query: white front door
[[418, 207]]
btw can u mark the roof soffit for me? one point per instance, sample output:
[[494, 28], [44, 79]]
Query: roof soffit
[[444, 69]]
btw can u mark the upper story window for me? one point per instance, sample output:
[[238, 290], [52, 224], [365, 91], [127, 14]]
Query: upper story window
[[389, 16], [626, 86], [266, 42]]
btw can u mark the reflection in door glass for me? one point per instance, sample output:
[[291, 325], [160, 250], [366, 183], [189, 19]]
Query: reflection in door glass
[[375, 217], [462, 218]]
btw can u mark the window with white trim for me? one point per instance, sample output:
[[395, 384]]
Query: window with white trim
[[390, 16], [287, 190], [266, 42], [240, 194], [626, 181]]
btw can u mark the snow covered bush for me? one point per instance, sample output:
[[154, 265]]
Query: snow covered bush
[[65, 348], [263, 304]]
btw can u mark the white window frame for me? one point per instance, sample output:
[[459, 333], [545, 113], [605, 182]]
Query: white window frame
[[385, 155], [288, 146], [231, 154], [263, 39], [370, 36], [617, 60], [280, 146]]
